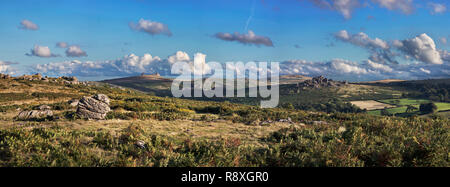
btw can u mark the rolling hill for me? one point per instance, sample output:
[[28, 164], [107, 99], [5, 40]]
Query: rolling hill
[[146, 130]]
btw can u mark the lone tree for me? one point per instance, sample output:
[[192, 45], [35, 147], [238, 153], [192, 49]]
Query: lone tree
[[411, 108], [428, 108], [385, 112]]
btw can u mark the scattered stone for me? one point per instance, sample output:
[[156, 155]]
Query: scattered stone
[[265, 123], [74, 102], [42, 112], [140, 144], [95, 107], [320, 123], [288, 120], [44, 107], [341, 129]]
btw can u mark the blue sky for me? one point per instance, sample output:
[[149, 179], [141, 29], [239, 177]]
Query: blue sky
[[298, 29]]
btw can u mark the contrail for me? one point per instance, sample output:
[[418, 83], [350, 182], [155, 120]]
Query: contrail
[[252, 11]]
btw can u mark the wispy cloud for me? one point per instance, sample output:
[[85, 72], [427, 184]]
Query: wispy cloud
[[436, 8], [347, 7], [28, 25], [249, 38]]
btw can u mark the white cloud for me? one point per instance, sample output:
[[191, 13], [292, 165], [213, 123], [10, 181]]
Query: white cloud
[[347, 67], [28, 25], [249, 38], [41, 51], [443, 40], [425, 70], [344, 7], [126, 66], [5, 67], [362, 39], [347, 70], [179, 56], [347, 7], [421, 48], [62, 44], [377, 66], [75, 51], [406, 6], [151, 27], [436, 8]]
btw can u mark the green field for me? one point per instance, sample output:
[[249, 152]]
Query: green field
[[403, 103]]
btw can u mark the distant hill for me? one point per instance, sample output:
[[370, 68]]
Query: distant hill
[[384, 81], [154, 83], [293, 79]]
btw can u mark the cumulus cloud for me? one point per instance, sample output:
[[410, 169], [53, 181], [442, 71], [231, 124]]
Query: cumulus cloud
[[347, 67], [436, 8], [41, 51], [425, 70], [347, 7], [129, 65], [28, 25], [377, 66], [179, 56], [421, 48], [75, 51], [362, 39], [347, 70], [5, 67], [445, 55], [249, 38], [151, 27], [62, 44], [132, 65], [344, 7], [443, 40], [405, 6], [378, 48]]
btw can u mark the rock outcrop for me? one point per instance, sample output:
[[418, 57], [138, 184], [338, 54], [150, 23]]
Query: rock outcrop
[[69, 80], [35, 77], [4, 76], [43, 111], [95, 107], [73, 102], [320, 82]]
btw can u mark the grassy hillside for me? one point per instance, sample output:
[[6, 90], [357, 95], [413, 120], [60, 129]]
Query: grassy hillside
[[145, 130]]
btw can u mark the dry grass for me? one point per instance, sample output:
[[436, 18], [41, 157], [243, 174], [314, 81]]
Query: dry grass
[[371, 105], [180, 129]]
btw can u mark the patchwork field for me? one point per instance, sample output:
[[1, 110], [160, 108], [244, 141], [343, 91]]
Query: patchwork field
[[371, 105], [400, 106]]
